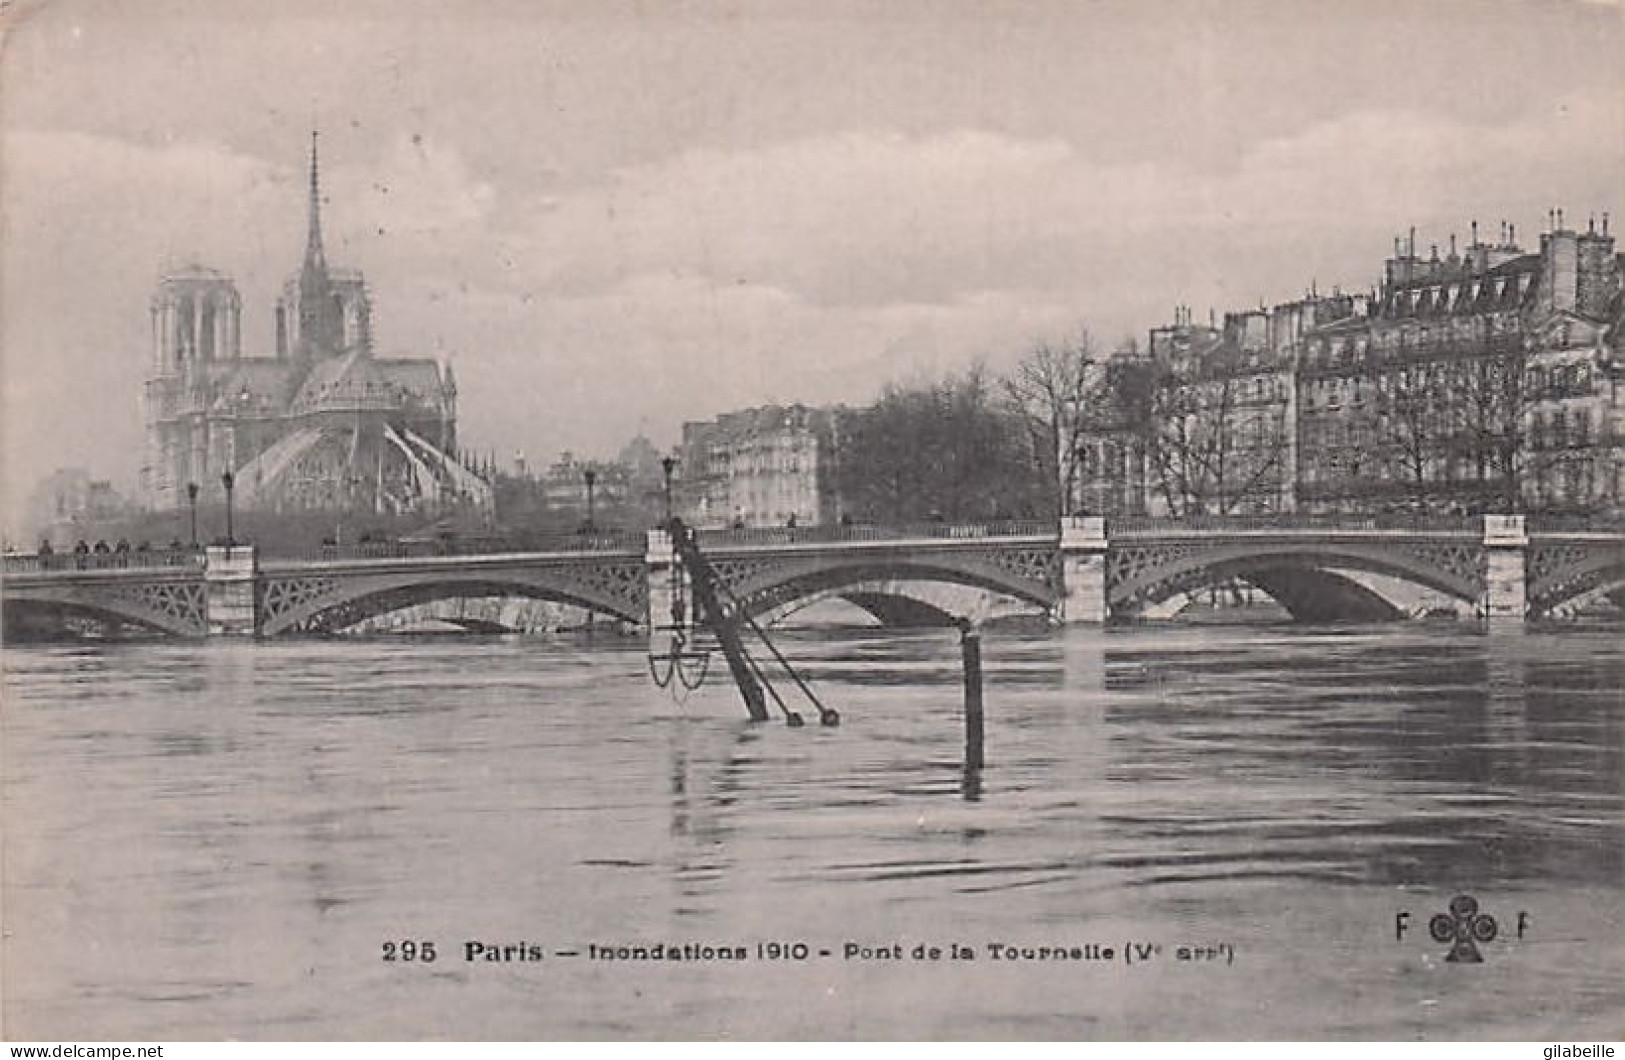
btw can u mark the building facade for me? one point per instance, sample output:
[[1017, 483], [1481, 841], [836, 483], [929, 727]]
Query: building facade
[[1110, 476], [1476, 381], [767, 466], [1219, 437], [69, 504], [1487, 379], [323, 423]]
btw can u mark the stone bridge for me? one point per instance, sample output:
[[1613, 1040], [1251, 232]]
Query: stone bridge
[[1319, 569]]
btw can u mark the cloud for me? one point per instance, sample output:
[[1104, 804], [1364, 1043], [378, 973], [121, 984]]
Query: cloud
[[864, 218], [818, 267], [418, 189], [90, 223]]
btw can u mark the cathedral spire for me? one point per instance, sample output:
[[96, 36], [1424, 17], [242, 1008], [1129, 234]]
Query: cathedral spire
[[313, 241], [321, 320]]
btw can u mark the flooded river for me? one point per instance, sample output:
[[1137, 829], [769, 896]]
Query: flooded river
[[1180, 832]]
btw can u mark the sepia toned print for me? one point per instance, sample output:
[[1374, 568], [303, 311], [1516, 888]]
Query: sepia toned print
[[812, 521]]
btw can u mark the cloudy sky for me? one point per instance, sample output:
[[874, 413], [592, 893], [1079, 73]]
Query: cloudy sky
[[614, 217]]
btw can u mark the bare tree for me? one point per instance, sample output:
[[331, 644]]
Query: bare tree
[[1214, 443], [1413, 429], [1051, 391], [1465, 427]]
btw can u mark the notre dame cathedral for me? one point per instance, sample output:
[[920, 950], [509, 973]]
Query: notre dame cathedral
[[322, 424]]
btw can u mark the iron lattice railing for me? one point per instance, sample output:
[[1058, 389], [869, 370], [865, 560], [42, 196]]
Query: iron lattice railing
[[133, 559], [1143, 524], [610, 541], [859, 532]]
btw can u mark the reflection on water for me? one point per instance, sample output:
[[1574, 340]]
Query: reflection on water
[[216, 840]]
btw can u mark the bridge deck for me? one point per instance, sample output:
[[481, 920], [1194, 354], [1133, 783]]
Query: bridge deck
[[1137, 559]]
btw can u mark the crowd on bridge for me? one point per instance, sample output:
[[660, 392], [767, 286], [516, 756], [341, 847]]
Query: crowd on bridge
[[85, 555]]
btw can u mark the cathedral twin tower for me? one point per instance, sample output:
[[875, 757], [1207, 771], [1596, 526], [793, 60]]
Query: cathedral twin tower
[[322, 424]]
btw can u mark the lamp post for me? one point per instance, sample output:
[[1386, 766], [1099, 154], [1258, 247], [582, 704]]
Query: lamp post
[[667, 464], [191, 500], [228, 480], [592, 478]]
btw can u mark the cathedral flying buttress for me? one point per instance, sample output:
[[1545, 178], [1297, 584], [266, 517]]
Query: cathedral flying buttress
[[323, 423]]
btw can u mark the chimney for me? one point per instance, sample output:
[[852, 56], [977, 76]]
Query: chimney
[[1512, 235], [1475, 231]]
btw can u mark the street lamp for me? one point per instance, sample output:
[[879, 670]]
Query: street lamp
[[191, 499], [592, 477], [666, 465], [228, 480]]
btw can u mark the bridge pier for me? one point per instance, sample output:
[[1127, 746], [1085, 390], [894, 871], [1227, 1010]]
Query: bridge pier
[[666, 596], [1083, 571], [1505, 543], [230, 573]]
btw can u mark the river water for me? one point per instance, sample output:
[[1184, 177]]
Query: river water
[[220, 840]]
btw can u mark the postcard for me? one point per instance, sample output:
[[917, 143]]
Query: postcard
[[812, 520]]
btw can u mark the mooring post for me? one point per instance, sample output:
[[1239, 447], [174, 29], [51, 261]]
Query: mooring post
[[970, 647]]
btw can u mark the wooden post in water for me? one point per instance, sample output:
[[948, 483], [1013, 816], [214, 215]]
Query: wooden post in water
[[970, 646]]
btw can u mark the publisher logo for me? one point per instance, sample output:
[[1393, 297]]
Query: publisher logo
[[1464, 927]]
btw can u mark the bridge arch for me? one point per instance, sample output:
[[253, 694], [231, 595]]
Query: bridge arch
[[776, 586], [174, 606], [904, 604], [1562, 571], [26, 619], [317, 603], [1303, 578]]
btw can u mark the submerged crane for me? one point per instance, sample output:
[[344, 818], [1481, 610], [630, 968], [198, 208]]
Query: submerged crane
[[725, 615]]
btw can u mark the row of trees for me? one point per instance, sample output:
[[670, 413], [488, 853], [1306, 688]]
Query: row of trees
[[974, 445], [943, 449], [971, 445]]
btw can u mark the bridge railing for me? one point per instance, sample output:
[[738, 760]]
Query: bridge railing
[[1539, 523], [1144, 524], [859, 532], [134, 559], [614, 541]]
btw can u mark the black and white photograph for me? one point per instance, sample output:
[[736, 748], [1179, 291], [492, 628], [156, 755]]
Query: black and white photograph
[[812, 520]]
